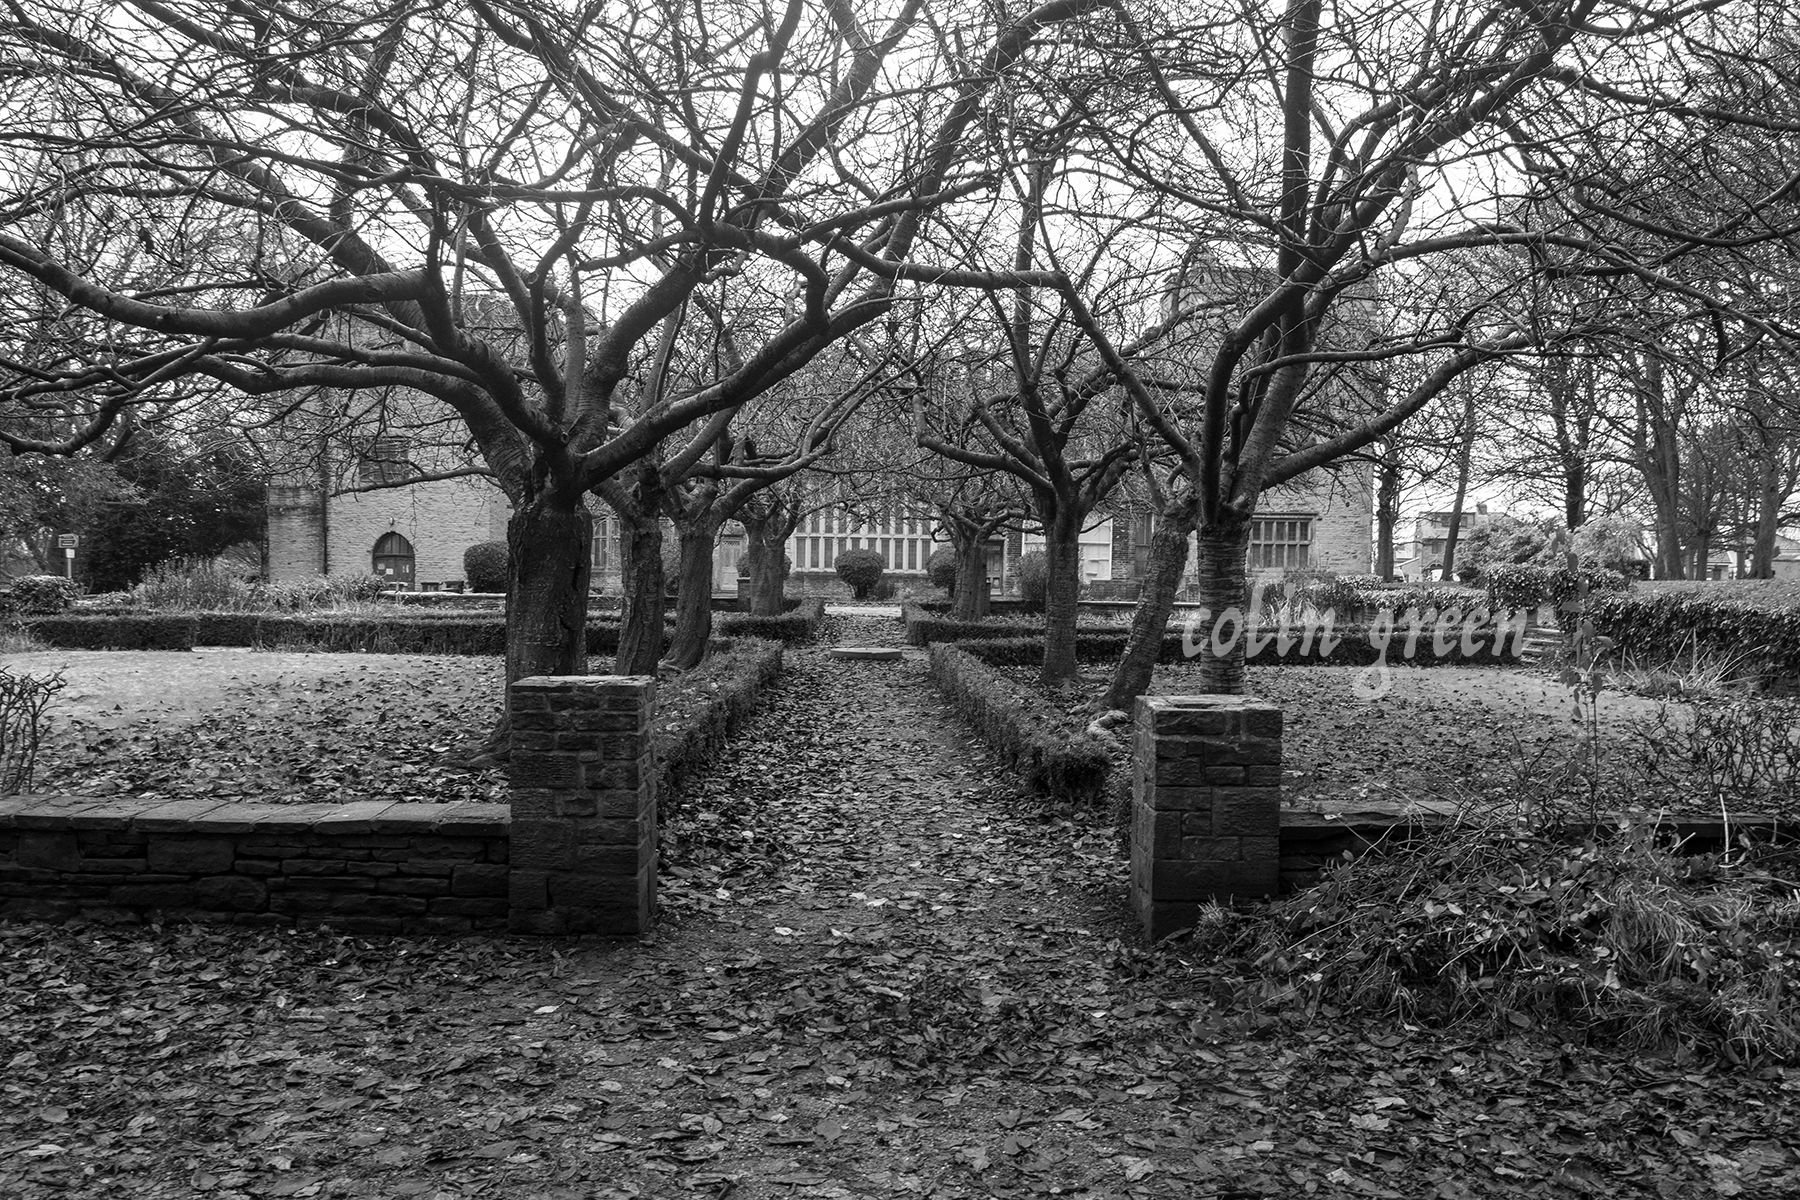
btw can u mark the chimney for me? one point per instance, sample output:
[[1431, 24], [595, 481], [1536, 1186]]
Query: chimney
[[1481, 510]]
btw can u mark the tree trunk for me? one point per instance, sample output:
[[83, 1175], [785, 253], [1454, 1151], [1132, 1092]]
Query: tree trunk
[[1222, 552], [546, 599], [1062, 590], [971, 590], [1464, 454], [764, 553], [693, 596], [641, 627], [1150, 620], [1575, 476], [549, 541]]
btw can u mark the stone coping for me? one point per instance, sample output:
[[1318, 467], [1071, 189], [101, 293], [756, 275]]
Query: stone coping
[[464, 819]]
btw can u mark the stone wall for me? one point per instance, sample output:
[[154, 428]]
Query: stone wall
[[368, 867], [1206, 806], [573, 852]]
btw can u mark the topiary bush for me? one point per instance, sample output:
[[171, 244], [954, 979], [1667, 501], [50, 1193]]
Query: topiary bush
[[42, 594], [487, 566], [940, 568], [862, 570]]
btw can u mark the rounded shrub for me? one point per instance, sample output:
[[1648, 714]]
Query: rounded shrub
[[487, 566], [940, 568], [42, 593], [861, 569]]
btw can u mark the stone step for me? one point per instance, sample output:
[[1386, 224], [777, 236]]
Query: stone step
[[868, 653]]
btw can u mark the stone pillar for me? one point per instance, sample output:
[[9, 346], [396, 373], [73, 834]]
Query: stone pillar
[[1206, 806], [582, 854]]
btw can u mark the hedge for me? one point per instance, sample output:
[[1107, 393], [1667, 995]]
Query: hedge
[[1662, 627], [1357, 646], [800, 624], [736, 675], [157, 631], [1039, 747], [926, 624]]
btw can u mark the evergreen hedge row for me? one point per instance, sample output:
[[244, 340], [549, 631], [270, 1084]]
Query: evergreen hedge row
[[736, 675], [1016, 724], [1661, 627], [156, 631], [799, 624]]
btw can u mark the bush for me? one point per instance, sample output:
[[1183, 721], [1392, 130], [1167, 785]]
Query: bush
[[204, 587], [128, 632], [487, 566], [1498, 922], [732, 680], [940, 568], [861, 569], [1527, 585], [1661, 627], [1022, 728], [799, 624], [42, 594]]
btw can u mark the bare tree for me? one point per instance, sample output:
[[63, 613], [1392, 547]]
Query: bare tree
[[584, 169]]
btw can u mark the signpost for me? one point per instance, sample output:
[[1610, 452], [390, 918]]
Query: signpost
[[68, 542]]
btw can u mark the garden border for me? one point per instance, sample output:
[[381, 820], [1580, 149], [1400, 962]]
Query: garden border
[[364, 867]]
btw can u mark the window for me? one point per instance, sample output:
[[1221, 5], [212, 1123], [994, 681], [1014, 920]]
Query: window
[[1283, 543], [385, 462]]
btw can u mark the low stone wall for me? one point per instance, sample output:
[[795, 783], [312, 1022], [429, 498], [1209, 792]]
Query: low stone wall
[[367, 867], [573, 852], [1206, 806]]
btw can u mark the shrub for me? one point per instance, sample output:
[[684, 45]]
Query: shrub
[[487, 566], [150, 631], [1527, 585], [42, 593], [731, 681], [799, 624], [940, 568], [1022, 728], [1654, 628], [1497, 921], [861, 569]]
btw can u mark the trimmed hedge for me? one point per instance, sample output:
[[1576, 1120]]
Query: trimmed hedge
[[926, 624], [1357, 646], [1058, 765], [136, 632], [1662, 627], [799, 625], [736, 675], [1527, 585]]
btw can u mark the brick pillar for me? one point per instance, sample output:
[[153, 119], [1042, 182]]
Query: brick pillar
[[582, 852], [1206, 805]]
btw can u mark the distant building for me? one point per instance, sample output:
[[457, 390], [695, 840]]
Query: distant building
[[1423, 556]]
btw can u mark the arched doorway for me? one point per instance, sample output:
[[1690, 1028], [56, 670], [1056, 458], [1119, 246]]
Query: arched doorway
[[394, 560]]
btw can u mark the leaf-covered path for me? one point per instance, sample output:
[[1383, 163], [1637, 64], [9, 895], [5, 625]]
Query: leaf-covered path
[[881, 972]]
